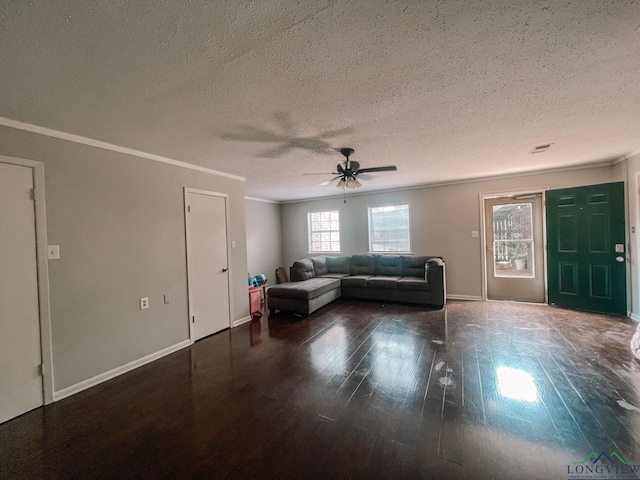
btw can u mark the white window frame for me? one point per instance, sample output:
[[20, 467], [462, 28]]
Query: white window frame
[[310, 232], [369, 208]]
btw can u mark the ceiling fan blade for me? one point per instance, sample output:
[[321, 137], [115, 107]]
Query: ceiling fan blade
[[276, 152], [247, 133], [390, 168], [365, 176], [323, 173], [335, 133], [285, 122]]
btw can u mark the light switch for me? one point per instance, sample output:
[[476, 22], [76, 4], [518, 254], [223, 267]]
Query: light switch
[[53, 252], [167, 298], [475, 234]]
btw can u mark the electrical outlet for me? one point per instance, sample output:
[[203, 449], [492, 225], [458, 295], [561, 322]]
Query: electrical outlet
[[475, 234], [144, 303], [167, 298]]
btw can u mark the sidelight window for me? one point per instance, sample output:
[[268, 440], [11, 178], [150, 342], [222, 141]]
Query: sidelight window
[[513, 240]]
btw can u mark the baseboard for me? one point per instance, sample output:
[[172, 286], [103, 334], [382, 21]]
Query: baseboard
[[635, 317], [103, 377], [465, 297], [240, 321]]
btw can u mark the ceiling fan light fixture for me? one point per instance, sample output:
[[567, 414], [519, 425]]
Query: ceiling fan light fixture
[[351, 182], [348, 172]]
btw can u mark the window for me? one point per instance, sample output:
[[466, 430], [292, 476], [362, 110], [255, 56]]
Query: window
[[324, 231], [389, 229], [513, 240]]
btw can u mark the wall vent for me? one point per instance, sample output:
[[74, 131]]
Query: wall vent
[[541, 148]]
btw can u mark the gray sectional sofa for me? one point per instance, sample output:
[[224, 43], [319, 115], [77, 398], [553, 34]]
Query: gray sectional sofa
[[318, 281]]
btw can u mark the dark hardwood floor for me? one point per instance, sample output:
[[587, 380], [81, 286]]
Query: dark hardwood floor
[[357, 390]]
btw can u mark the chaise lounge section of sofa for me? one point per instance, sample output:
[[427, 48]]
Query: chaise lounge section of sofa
[[317, 281]]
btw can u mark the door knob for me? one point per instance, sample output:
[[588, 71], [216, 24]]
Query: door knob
[[225, 270], [620, 259]]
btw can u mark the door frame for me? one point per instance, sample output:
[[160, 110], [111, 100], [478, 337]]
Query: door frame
[[632, 228], [42, 263], [188, 190], [483, 236]]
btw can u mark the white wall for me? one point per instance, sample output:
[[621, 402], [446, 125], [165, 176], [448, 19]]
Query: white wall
[[633, 214], [442, 218], [119, 221], [264, 239]]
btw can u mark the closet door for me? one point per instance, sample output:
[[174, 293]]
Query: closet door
[[208, 263], [20, 350]]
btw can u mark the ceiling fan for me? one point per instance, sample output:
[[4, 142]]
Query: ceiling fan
[[349, 171]]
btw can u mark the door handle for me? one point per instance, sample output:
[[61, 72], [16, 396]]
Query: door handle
[[225, 270], [620, 259]]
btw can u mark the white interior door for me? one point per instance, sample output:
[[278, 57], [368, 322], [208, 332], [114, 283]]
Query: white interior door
[[208, 263], [20, 350]]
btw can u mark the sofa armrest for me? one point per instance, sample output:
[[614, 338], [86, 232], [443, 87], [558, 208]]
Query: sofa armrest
[[435, 275]]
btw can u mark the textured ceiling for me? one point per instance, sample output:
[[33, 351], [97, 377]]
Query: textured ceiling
[[445, 90]]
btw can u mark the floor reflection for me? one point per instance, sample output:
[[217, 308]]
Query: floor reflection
[[516, 384], [329, 352], [356, 390]]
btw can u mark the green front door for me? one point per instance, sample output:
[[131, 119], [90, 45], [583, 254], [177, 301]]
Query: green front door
[[586, 255]]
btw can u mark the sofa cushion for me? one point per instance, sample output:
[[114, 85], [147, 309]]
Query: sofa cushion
[[303, 290], [356, 281], [320, 265], [380, 281], [363, 265], [414, 284], [334, 275], [389, 265], [340, 264], [414, 266], [302, 270]]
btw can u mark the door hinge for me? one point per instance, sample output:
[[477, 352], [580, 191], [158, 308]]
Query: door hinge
[[193, 319], [32, 194], [189, 208]]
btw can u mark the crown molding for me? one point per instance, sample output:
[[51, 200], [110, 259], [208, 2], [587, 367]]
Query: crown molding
[[632, 153], [49, 132], [264, 200]]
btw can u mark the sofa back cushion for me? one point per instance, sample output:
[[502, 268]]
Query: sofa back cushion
[[302, 270], [320, 265], [389, 265], [363, 265], [339, 264], [414, 266]]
